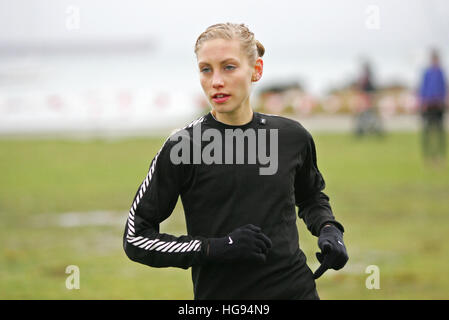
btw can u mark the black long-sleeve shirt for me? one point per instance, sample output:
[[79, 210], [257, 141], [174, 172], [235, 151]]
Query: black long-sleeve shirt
[[218, 198]]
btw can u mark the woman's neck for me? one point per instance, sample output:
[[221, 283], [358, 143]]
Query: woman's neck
[[238, 117]]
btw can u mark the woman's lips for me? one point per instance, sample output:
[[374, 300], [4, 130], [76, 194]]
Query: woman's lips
[[222, 99]]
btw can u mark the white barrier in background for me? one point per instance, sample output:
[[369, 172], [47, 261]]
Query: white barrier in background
[[95, 110]]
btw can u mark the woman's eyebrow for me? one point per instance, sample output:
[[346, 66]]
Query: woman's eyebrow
[[222, 62]]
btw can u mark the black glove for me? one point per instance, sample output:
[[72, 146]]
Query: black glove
[[333, 251], [246, 243]]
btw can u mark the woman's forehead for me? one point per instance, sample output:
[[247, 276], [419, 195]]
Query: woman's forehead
[[219, 50]]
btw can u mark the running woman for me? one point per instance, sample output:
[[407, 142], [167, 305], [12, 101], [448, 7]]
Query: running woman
[[239, 174]]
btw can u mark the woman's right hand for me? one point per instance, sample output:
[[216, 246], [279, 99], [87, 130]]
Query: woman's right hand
[[246, 244]]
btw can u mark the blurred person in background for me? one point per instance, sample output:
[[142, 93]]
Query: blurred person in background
[[242, 240], [432, 96], [367, 117]]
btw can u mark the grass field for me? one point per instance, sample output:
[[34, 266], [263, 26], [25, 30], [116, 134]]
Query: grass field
[[65, 202]]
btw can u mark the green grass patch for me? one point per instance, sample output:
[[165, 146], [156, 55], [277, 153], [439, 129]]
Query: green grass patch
[[394, 207]]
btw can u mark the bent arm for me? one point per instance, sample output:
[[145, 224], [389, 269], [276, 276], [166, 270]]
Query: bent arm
[[153, 203], [313, 203]]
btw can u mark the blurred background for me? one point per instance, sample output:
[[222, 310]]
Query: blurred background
[[89, 91]]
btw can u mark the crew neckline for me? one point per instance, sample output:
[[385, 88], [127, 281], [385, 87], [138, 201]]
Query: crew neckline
[[211, 117]]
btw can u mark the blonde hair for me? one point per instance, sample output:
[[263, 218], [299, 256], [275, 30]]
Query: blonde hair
[[253, 48]]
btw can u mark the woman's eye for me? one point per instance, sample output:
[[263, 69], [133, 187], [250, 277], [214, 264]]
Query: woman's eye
[[229, 67], [205, 69]]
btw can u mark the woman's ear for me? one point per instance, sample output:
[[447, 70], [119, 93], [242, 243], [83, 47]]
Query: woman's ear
[[258, 70]]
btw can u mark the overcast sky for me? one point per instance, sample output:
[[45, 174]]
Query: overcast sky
[[320, 23], [319, 29]]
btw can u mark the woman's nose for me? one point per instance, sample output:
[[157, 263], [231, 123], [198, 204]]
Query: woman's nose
[[217, 80]]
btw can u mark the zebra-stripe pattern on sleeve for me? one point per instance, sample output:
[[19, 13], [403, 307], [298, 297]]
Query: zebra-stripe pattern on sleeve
[[157, 244]]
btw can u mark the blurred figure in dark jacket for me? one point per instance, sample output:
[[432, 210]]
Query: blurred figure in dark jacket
[[367, 118], [432, 94]]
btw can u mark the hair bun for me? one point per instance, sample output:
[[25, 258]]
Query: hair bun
[[260, 49]]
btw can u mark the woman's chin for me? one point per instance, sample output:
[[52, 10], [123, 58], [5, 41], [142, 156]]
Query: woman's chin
[[221, 109]]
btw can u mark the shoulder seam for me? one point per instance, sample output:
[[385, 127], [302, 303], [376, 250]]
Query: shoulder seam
[[190, 125]]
